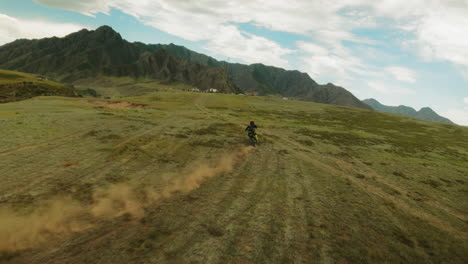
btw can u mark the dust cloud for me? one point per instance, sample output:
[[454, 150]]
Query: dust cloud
[[194, 179], [55, 217], [63, 216]]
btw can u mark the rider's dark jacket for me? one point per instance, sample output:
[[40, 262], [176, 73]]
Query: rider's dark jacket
[[251, 129]]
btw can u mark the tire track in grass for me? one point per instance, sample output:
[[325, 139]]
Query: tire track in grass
[[43, 178], [73, 248], [49, 145], [343, 171], [295, 221], [34, 180], [376, 191], [32, 146], [37, 156], [189, 233], [216, 197], [269, 221], [315, 248], [49, 176], [200, 105], [238, 218], [267, 134], [381, 179], [273, 244]]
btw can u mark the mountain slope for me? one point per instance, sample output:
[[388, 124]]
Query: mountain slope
[[262, 79], [87, 54], [424, 113], [162, 65], [168, 178]]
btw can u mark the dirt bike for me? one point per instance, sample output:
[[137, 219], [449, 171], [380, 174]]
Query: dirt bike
[[253, 139]]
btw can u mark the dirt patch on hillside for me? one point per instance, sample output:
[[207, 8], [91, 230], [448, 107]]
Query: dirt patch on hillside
[[118, 105]]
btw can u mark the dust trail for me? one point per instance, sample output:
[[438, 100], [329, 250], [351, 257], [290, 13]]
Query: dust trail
[[117, 200], [194, 179], [24, 231], [63, 216]]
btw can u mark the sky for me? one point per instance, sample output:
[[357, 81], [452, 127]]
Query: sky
[[400, 52]]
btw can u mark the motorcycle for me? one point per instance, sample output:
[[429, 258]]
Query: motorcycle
[[253, 139]]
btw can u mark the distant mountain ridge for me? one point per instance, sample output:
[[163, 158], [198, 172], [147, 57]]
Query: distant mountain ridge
[[425, 113], [86, 54]]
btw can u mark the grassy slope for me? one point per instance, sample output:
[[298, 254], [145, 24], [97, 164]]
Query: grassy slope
[[327, 184], [114, 87], [35, 87], [7, 76]]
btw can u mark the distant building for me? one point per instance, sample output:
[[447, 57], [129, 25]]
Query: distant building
[[285, 98], [195, 90], [212, 90]]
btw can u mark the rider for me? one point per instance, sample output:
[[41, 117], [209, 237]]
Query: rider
[[251, 129]]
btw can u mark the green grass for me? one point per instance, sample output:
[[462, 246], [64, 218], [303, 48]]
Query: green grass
[[327, 184]]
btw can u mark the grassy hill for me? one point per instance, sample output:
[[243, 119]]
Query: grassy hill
[[116, 87], [16, 86], [168, 178]]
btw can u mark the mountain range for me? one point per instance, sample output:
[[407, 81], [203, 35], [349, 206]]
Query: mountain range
[[89, 54], [425, 113]]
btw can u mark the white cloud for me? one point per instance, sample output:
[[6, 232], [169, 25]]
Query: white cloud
[[443, 37], [465, 100], [13, 28], [332, 61], [389, 89], [437, 27], [329, 60], [458, 116], [248, 47], [402, 73], [87, 7]]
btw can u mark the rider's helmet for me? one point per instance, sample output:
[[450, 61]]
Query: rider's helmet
[[252, 122]]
